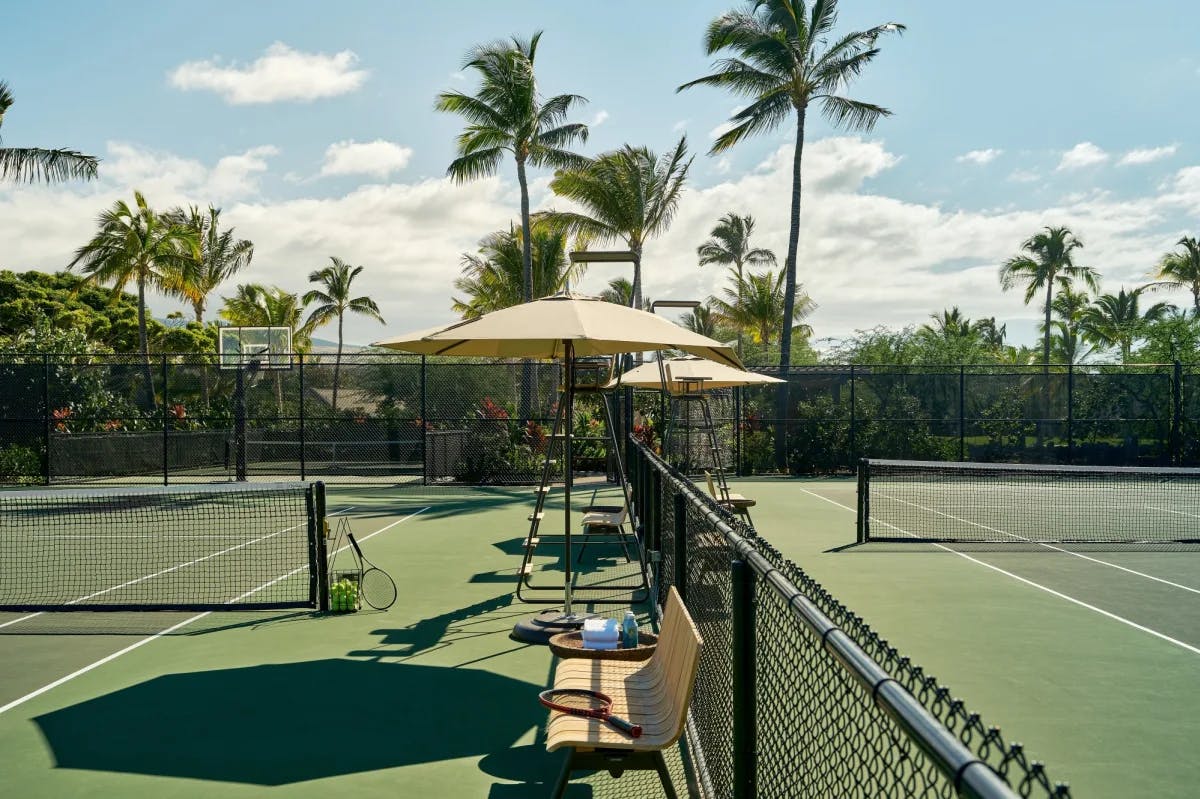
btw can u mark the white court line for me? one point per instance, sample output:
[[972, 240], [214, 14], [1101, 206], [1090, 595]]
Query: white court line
[[1028, 582], [1042, 544], [1177, 512], [184, 623], [174, 568]]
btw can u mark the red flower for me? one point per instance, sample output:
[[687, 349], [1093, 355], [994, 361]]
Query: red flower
[[490, 410], [113, 424], [178, 411], [61, 415]]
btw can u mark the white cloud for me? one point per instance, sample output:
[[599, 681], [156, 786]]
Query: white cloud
[[980, 157], [723, 165], [1147, 155], [281, 73], [1082, 155], [377, 158], [1024, 176], [866, 257], [680, 126], [599, 119]]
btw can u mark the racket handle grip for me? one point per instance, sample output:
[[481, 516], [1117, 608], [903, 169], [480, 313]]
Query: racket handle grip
[[629, 728]]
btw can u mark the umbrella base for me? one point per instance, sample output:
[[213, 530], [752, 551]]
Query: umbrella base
[[541, 628]]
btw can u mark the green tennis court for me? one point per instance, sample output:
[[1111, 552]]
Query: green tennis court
[[1088, 654], [1087, 658]]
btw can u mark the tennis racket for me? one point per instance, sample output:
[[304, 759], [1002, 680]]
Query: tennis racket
[[377, 587], [590, 704]]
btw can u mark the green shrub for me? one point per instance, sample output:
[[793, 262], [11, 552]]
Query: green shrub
[[20, 464]]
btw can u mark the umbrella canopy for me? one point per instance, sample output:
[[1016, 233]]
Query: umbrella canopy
[[681, 370], [539, 329]]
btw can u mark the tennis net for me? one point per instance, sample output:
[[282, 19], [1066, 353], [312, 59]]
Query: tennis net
[[211, 547], [1003, 503]]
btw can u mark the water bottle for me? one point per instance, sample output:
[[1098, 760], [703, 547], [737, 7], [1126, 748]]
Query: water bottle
[[629, 631]]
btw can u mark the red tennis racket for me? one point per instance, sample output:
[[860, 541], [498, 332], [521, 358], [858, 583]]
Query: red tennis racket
[[590, 704]]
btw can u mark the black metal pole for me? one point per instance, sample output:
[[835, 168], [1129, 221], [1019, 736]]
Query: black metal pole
[[166, 421], [1176, 445], [962, 413], [853, 411], [654, 532], [46, 436], [424, 428], [737, 429], [569, 422], [1070, 413], [300, 419], [239, 423], [744, 690], [681, 545]]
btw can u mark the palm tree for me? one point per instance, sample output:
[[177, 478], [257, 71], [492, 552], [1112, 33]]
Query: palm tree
[[702, 321], [1050, 263], [139, 244], [786, 62], [628, 195], [730, 246], [335, 300], [1069, 307], [508, 115], [991, 333], [1115, 320], [1182, 270], [620, 292], [949, 325], [493, 278], [34, 164], [222, 255], [757, 305], [255, 305]]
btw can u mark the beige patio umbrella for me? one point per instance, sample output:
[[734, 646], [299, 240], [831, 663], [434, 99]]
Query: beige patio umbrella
[[562, 327], [688, 374]]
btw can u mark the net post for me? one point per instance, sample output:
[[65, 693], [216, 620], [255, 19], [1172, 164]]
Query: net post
[[863, 513], [318, 553], [745, 730], [166, 422], [681, 545]]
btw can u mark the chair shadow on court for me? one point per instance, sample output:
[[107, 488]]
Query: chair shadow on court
[[438, 632], [256, 725]]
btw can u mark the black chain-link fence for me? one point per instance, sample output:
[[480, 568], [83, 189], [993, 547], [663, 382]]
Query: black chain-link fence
[[385, 417], [796, 696]]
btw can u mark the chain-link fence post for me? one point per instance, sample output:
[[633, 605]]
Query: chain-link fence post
[[424, 427], [744, 693], [166, 421], [681, 545], [46, 437], [962, 413], [1070, 413], [853, 454], [1176, 443], [300, 414]]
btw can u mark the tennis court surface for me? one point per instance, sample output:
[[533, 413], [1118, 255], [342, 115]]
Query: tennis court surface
[[1086, 653]]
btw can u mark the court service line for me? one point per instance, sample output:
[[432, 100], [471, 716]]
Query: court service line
[[1039, 586], [174, 568], [109, 658], [1044, 544], [1176, 512]]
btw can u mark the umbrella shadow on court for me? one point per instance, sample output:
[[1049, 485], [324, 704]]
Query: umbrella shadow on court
[[257, 725]]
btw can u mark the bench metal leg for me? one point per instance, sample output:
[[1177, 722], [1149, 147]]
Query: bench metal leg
[[564, 776], [660, 765]]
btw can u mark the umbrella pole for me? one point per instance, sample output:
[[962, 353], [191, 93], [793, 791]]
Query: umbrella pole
[[569, 471]]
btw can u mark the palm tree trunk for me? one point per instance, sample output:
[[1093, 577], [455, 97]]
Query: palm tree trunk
[[739, 299], [789, 302], [337, 363], [1196, 298], [144, 347], [635, 298], [526, 401]]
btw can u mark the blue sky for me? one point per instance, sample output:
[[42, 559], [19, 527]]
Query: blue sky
[[1076, 113]]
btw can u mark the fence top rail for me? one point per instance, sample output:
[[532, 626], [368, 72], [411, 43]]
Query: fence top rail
[[970, 775]]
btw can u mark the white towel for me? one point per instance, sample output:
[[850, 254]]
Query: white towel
[[605, 626], [599, 644]]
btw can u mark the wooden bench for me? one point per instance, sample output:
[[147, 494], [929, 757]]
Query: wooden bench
[[654, 693]]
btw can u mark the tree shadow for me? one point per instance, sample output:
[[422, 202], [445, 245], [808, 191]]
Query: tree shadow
[[257, 725]]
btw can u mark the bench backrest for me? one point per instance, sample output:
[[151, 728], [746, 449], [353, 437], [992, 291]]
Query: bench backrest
[[677, 659]]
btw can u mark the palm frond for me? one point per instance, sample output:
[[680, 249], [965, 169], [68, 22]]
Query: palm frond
[[37, 165], [852, 114], [479, 164]]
